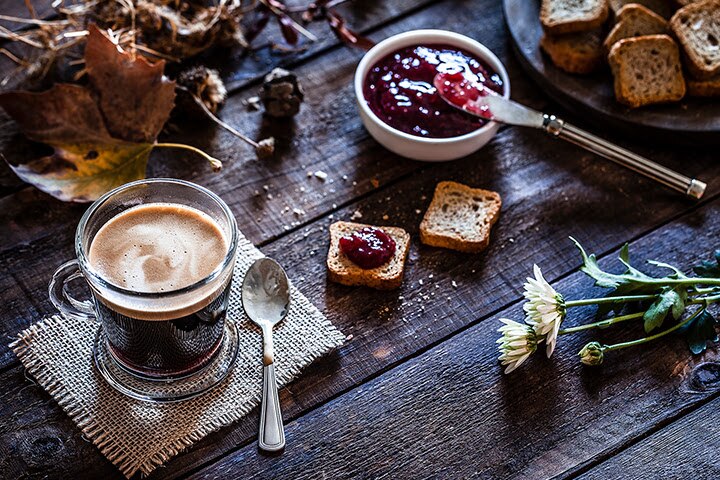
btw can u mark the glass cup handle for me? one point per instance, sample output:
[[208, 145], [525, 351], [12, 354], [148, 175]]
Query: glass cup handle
[[60, 296]]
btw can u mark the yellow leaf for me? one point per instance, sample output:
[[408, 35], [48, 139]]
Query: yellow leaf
[[83, 172]]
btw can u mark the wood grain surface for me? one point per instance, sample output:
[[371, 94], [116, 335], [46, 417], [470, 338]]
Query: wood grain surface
[[450, 413], [687, 449], [419, 362], [689, 122]]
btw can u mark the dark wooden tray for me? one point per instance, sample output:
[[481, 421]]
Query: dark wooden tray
[[692, 121]]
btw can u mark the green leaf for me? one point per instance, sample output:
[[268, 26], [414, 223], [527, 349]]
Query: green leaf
[[701, 330], [632, 282], [709, 269], [625, 254], [590, 267], [655, 315], [632, 276], [679, 306], [677, 274]]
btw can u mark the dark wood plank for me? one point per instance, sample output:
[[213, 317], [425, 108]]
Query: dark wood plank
[[44, 440], [450, 412], [387, 328], [687, 448]]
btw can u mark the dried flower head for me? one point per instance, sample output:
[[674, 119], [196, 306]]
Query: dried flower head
[[265, 148], [517, 343], [592, 354], [544, 309], [205, 84]]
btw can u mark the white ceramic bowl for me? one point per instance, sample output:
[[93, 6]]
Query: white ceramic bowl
[[411, 146]]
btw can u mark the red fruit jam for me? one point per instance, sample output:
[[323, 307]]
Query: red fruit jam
[[368, 248], [463, 93], [399, 90]]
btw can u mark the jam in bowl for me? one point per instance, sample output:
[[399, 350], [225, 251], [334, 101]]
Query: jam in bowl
[[400, 106], [399, 89]]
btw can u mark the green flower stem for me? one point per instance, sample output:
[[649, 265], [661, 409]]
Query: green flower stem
[[603, 323], [704, 291], [704, 300], [618, 346], [682, 281], [637, 298], [596, 301], [214, 162]]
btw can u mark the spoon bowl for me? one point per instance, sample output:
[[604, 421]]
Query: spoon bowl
[[266, 292]]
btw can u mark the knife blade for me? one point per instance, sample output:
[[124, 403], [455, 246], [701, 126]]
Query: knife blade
[[504, 110], [474, 97]]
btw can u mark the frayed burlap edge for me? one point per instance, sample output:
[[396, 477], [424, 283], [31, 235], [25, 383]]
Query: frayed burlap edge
[[103, 440]]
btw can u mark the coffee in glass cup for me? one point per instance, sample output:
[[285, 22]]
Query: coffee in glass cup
[[158, 256]]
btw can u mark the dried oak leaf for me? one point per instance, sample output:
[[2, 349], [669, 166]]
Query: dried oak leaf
[[102, 136]]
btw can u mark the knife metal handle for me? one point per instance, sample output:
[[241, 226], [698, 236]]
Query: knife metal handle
[[670, 178]]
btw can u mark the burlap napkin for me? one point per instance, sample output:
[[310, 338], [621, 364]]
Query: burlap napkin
[[140, 436]]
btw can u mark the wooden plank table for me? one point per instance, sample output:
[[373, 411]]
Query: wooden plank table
[[416, 392]]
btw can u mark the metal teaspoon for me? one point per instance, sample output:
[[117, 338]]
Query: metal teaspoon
[[266, 300]]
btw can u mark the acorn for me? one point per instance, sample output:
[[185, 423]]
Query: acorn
[[281, 94]]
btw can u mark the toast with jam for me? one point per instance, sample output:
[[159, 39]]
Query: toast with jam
[[367, 255]]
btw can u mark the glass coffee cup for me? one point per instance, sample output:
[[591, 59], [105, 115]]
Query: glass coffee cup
[[158, 256]]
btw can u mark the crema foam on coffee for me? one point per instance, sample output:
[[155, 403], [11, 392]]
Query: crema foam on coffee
[[158, 247]]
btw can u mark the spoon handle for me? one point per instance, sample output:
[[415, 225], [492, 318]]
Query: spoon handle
[[272, 434]]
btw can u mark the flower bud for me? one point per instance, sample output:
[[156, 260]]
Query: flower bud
[[592, 354]]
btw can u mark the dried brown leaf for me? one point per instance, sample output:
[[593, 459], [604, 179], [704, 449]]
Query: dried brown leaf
[[287, 28], [66, 113], [134, 95], [337, 24], [102, 136]]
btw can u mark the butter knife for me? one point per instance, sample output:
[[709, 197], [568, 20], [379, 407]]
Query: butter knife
[[483, 102]]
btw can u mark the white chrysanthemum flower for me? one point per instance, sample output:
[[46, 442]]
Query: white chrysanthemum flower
[[517, 343], [544, 309]]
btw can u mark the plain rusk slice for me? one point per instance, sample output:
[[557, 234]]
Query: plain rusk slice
[[647, 70], [634, 20], [697, 28], [664, 8], [575, 52], [704, 88], [385, 277], [460, 217], [568, 16]]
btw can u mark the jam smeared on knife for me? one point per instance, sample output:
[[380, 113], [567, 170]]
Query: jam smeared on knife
[[463, 93], [399, 89], [368, 248]]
